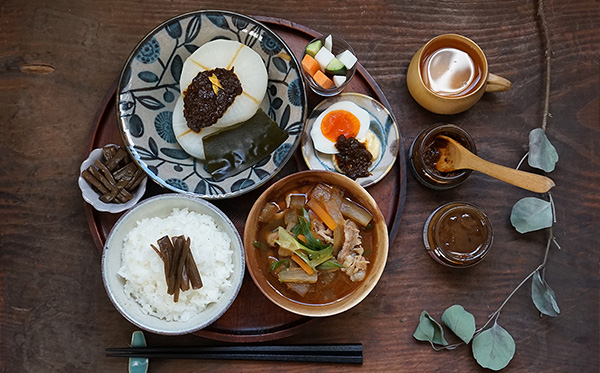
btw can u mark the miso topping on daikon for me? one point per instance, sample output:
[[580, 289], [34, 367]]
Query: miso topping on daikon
[[245, 63], [189, 140], [209, 95]]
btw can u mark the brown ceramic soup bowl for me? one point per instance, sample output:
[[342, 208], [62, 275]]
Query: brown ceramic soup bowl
[[327, 297]]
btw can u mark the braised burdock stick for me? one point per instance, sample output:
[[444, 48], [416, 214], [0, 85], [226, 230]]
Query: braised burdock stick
[[192, 269], [105, 171], [109, 151], [185, 250], [92, 170], [162, 257], [136, 180], [128, 171], [185, 280], [179, 264], [118, 189], [87, 175], [113, 162], [166, 247], [173, 284]]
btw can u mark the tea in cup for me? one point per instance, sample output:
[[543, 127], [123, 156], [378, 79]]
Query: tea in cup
[[449, 74]]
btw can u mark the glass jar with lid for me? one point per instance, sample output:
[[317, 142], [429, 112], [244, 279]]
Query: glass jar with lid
[[423, 155], [458, 234]]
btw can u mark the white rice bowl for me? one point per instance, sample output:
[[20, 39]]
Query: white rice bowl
[[133, 273], [144, 274]]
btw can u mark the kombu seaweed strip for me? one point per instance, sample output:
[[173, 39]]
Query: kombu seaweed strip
[[233, 150]]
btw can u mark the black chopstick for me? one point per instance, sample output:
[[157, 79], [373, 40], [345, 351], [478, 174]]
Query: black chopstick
[[332, 353], [355, 348]]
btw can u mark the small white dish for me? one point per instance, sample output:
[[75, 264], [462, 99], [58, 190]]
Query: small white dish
[[161, 206], [382, 124], [93, 198]]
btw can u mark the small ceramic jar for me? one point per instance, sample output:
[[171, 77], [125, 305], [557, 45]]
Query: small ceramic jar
[[423, 154], [458, 234]]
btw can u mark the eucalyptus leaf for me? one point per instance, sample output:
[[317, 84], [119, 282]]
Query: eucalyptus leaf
[[531, 214], [461, 322], [543, 296], [542, 153], [493, 348], [429, 330]]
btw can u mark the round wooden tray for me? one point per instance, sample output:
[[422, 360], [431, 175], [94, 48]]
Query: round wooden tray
[[245, 321]]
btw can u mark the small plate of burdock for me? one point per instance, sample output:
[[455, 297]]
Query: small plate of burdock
[[110, 181]]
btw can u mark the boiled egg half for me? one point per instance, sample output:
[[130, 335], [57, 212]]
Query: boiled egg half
[[342, 118]]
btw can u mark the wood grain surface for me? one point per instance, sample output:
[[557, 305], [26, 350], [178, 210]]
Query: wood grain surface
[[58, 59]]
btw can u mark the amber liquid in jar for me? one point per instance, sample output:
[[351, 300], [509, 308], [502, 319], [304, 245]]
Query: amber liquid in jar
[[424, 153], [458, 234], [450, 69]]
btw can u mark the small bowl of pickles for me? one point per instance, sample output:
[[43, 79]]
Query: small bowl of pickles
[[328, 65], [110, 181]]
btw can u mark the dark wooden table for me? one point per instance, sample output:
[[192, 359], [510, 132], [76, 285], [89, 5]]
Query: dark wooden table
[[58, 59]]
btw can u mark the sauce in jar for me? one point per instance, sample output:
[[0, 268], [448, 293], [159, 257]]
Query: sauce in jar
[[458, 234], [424, 153]]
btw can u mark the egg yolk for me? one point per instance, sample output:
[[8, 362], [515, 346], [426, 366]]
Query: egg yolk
[[339, 122]]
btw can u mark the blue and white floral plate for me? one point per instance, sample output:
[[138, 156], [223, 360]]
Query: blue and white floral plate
[[382, 124], [149, 87]]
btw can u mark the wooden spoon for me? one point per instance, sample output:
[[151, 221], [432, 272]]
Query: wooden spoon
[[453, 156]]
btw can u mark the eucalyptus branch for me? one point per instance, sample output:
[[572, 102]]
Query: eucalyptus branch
[[547, 53], [448, 347], [522, 160], [496, 313], [553, 207], [492, 346], [556, 243], [550, 239]]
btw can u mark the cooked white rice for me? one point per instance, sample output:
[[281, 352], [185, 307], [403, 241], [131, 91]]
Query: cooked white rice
[[143, 269]]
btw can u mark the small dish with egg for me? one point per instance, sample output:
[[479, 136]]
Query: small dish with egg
[[370, 144]]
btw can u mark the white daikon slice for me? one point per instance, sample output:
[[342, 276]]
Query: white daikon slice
[[338, 80], [189, 140], [328, 43], [347, 58], [324, 57]]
